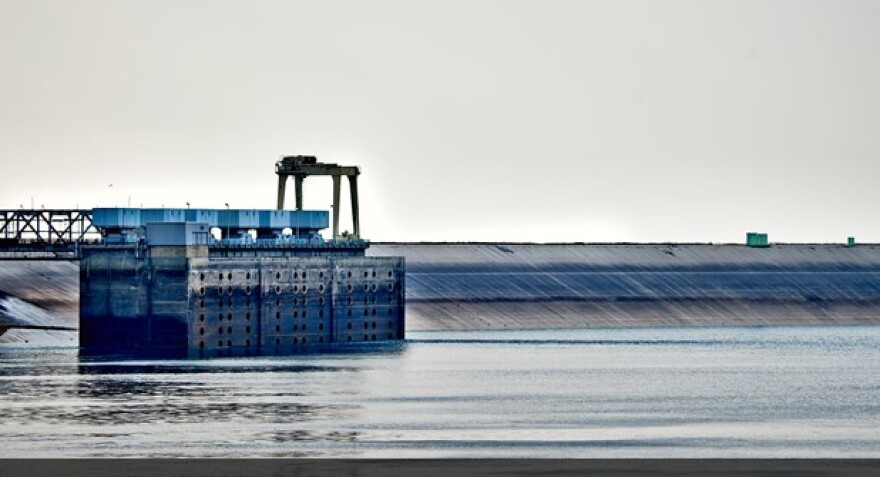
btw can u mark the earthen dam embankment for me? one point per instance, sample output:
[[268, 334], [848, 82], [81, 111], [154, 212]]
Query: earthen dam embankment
[[522, 286], [516, 286]]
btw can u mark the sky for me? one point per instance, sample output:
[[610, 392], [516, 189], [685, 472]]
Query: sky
[[548, 121]]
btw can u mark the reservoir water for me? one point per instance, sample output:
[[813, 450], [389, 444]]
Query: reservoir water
[[670, 392]]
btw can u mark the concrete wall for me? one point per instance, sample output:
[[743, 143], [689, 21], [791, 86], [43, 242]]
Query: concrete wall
[[284, 305], [131, 299], [176, 301]]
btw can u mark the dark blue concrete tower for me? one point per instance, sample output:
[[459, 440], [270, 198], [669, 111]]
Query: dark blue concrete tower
[[204, 282]]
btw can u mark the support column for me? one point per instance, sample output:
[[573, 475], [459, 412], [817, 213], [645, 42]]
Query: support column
[[336, 180], [298, 187], [353, 184], [282, 185]]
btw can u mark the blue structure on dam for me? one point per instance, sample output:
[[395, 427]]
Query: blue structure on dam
[[228, 282]]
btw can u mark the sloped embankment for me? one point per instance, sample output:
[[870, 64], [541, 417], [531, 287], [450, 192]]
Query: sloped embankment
[[38, 301], [479, 286], [492, 286]]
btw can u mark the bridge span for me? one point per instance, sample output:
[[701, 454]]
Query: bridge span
[[45, 234]]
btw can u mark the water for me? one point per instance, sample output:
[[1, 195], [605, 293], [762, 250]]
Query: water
[[722, 392]]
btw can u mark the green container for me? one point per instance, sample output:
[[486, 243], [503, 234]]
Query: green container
[[850, 241], [756, 239]]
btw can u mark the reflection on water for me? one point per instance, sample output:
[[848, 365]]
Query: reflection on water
[[759, 392]]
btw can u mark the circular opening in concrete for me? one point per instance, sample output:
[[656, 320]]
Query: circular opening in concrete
[[295, 328], [229, 330], [229, 343], [202, 291], [321, 288], [247, 276], [202, 344], [201, 317], [220, 330], [201, 331], [221, 275], [277, 328], [320, 326], [374, 337], [229, 317], [304, 340], [320, 339], [247, 316], [349, 274], [202, 278], [349, 325], [295, 314], [349, 287], [247, 329], [304, 274], [349, 314], [229, 276], [247, 342], [277, 341], [278, 275]]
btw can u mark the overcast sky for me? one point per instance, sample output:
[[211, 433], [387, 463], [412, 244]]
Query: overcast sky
[[472, 120]]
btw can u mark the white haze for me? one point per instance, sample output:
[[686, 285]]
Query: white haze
[[472, 120]]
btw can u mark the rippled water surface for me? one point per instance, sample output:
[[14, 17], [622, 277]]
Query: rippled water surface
[[724, 392]]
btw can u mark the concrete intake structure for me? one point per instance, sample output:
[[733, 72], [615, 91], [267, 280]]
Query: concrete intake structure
[[160, 283]]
